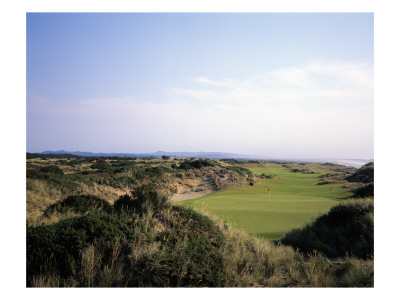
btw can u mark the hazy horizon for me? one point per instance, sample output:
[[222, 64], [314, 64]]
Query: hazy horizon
[[296, 85], [245, 155]]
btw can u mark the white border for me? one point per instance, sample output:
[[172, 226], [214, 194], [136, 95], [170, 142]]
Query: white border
[[13, 121]]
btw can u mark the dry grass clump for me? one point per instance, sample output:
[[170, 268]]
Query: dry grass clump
[[251, 261]]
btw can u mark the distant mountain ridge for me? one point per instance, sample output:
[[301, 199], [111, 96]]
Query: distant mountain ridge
[[357, 163], [215, 155]]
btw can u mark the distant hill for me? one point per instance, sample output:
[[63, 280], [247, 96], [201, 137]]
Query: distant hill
[[365, 174], [215, 155], [357, 163]]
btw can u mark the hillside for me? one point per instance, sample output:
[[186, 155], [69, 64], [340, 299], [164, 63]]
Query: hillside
[[148, 245], [113, 222], [51, 179], [365, 174]]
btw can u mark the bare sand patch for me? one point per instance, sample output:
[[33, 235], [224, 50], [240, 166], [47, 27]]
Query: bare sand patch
[[190, 195]]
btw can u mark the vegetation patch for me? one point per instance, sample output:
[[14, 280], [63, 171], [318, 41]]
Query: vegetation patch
[[196, 164], [78, 204], [57, 245], [303, 171], [365, 174], [145, 197], [265, 176], [101, 166], [364, 191], [55, 176], [145, 241], [88, 250], [347, 229]]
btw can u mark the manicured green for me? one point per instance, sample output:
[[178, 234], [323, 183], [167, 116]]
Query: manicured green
[[295, 199]]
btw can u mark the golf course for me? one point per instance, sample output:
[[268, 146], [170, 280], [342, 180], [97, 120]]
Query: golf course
[[294, 199]]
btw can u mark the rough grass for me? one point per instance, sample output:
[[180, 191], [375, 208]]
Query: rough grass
[[174, 247], [79, 204]]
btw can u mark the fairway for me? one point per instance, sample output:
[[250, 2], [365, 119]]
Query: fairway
[[295, 199]]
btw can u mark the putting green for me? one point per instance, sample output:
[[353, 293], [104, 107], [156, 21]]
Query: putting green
[[295, 199]]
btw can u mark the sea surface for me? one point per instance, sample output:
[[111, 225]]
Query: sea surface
[[357, 163]]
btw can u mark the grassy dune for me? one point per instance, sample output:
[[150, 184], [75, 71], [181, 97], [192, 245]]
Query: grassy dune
[[142, 240], [296, 199]]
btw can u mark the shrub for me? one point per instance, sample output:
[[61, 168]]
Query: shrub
[[364, 191], [303, 171], [55, 176], [196, 164], [365, 174], [78, 204], [51, 169], [241, 171], [144, 197], [347, 229], [101, 165], [265, 176], [82, 251], [59, 243]]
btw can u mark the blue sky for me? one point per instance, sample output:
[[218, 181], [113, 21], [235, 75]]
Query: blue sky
[[288, 85]]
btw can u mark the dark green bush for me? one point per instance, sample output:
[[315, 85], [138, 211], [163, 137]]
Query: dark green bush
[[265, 176], [187, 253], [56, 177], [64, 240], [303, 171], [143, 197], [347, 228], [365, 174], [364, 191], [51, 169], [196, 164], [195, 244], [126, 202], [101, 165], [78, 204], [241, 171]]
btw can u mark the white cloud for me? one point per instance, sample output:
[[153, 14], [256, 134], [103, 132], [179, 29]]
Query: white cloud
[[316, 83], [290, 76], [294, 112]]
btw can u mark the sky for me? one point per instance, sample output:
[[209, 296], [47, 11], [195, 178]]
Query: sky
[[278, 85]]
